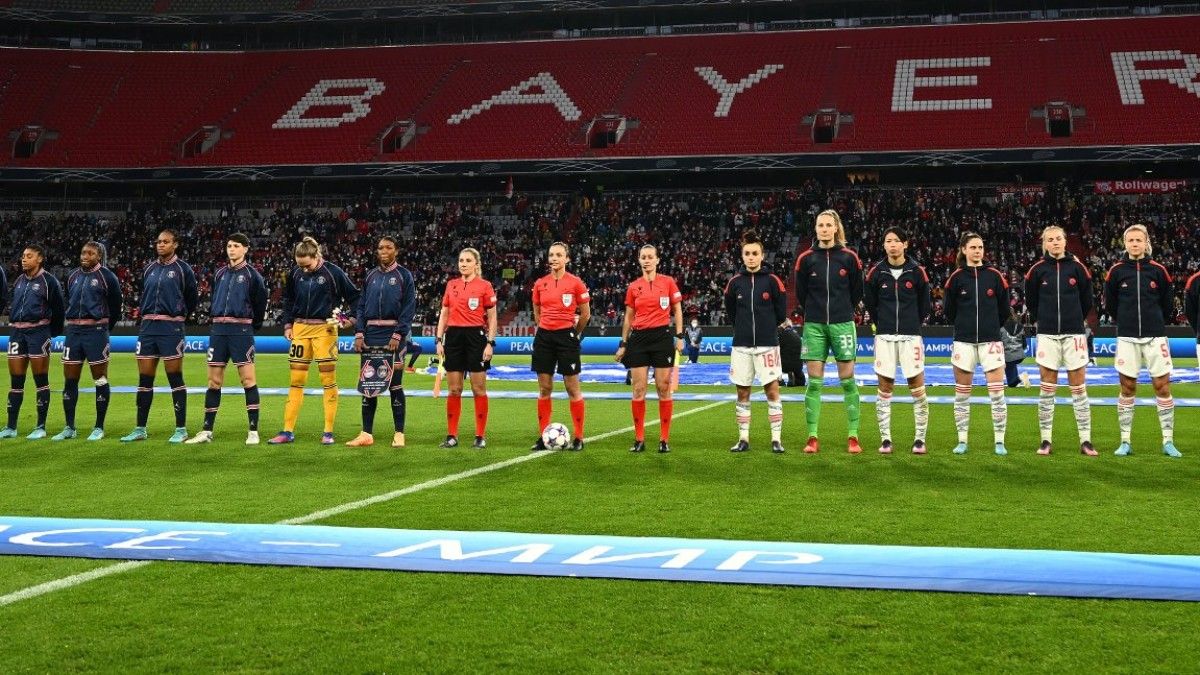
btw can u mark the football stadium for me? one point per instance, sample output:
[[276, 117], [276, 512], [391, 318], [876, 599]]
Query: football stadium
[[606, 336]]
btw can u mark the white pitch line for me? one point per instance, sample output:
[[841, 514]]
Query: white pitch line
[[130, 565]]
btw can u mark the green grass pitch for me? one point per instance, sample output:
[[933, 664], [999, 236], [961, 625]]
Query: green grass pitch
[[226, 618]]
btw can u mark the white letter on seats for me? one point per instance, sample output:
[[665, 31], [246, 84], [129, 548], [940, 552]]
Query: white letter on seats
[[295, 119], [728, 90], [551, 94], [907, 81], [1129, 78]]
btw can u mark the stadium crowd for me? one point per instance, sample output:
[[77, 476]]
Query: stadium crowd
[[695, 231]]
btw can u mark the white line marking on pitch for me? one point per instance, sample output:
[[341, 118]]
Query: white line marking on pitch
[[130, 565]]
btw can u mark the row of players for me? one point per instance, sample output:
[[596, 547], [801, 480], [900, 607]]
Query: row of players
[[829, 282]]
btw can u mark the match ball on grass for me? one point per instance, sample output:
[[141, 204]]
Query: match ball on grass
[[556, 436]]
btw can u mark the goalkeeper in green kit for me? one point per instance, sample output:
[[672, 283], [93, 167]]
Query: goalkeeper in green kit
[[829, 285]]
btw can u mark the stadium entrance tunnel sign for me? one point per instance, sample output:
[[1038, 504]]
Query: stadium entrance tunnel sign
[[1000, 571]]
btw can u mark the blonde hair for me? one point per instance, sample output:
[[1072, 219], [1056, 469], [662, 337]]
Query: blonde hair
[[1048, 230], [478, 260], [840, 237], [1138, 227], [307, 248]]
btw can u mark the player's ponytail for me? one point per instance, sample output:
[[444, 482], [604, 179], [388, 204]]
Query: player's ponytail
[[307, 248]]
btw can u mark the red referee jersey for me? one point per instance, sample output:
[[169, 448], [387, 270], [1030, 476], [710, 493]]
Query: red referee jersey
[[652, 301], [468, 301], [558, 299]]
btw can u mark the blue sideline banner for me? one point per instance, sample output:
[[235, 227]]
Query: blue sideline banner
[[970, 570], [275, 344]]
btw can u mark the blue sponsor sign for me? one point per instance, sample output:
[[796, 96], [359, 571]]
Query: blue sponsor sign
[[1003, 571], [1181, 347]]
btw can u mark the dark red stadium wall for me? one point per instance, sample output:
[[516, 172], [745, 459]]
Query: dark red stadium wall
[[134, 109]]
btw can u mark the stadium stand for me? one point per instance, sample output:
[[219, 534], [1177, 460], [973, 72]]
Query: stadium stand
[[1119, 82], [695, 230]]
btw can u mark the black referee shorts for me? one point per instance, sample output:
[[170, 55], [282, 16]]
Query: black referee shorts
[[464, 350], [556, 350], [650, 347]]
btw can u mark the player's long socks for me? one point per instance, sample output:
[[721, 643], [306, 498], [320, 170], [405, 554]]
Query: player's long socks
[[1083, 412], [481, 414], [812, 404], [1125, 416], [775, 416], [1166, 418], [252, 406], [70, 398], [16, 394], [1046, 411], [638, 407], [577, 416], [741, 412], [329, 400], [453, 413], [850, 391], [369, 405], [666, 408], [291, 409], [545, 410], [999, 409], [920, 412], [883, 414], [962, 411], [103, 394], [212, 402], [400, 408], [178, 398], [145, 397], [42, 382]]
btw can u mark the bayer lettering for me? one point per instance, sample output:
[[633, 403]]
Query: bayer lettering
[[450, 550], [957, 73]]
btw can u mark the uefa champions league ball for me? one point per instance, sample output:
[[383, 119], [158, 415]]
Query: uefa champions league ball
[[556, 436]]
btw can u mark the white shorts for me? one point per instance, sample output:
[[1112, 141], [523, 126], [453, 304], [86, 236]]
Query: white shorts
[[1062, 352], [967, 355], [747, 363], [908, 353], [1154, 356]]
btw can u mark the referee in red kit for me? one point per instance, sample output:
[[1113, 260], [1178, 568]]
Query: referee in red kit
[[556, 345]]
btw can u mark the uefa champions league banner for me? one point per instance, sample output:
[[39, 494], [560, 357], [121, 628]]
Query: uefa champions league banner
[[1181, 347]]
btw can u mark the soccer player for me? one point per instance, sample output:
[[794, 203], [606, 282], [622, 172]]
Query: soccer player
[[385, 314], [556, 344], [756, 305], [93, 309], [829, 285], [239, 302], [313, 294], [650, 304], [1058, 294], [976, 302], [1137, 294], [412, 349], [169, 295], [466, 340], [897, 297], [36, 316]]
